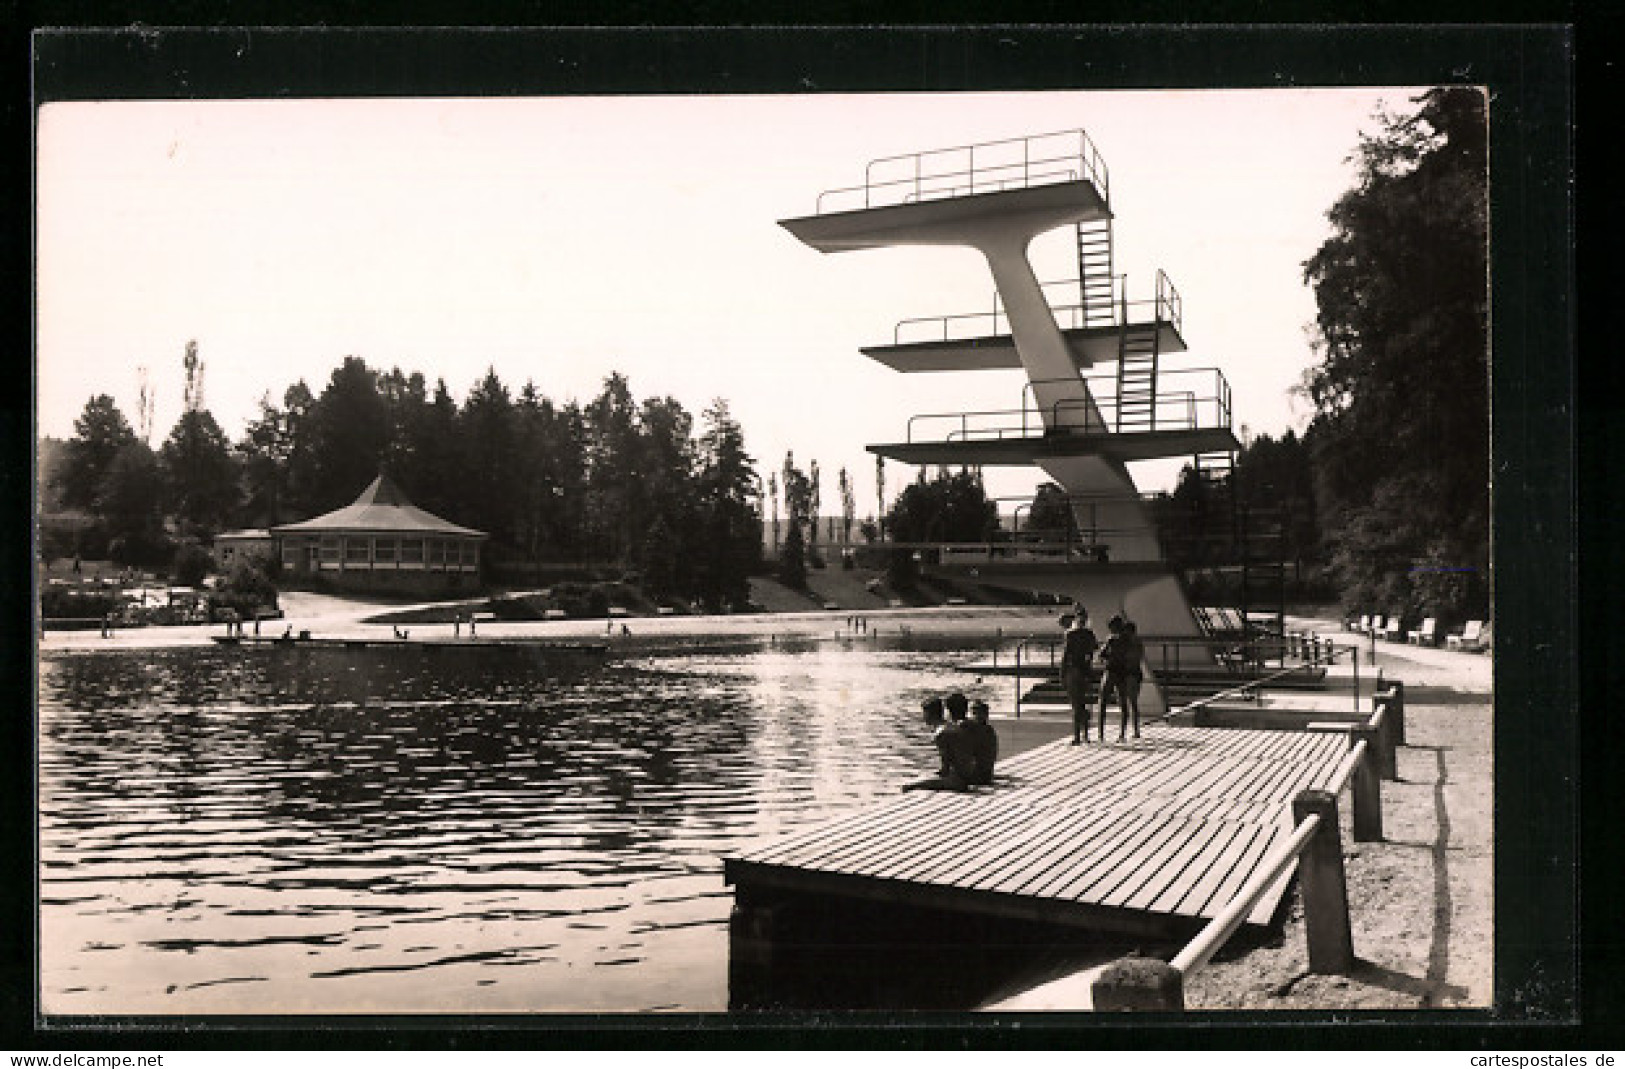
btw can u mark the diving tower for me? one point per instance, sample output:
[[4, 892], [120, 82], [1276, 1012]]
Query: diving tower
[[1081, 429]]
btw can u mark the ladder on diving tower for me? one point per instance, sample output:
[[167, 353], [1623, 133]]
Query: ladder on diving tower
[[1137, 376], [1095, 277]]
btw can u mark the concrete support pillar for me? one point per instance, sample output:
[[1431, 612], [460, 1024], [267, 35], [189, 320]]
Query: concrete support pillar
[[1366, 788], [1325, 891], [1138, 984]]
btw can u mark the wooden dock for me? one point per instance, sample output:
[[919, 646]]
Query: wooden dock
[[1150, 836]]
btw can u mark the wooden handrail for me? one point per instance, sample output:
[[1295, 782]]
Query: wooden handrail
[[1200, 951], [1345, 770]]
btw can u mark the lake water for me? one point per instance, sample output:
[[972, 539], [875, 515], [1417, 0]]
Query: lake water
[[298, 831]]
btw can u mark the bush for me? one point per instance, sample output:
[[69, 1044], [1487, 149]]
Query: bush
[[191, 565], [71, 604], [245, 588]]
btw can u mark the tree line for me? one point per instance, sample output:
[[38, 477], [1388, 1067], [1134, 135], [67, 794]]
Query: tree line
[[614, 481], [1388, 486]]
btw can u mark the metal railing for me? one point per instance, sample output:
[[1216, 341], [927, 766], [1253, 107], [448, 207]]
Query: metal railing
[[1170, 306], [1165, 307], [1205, 404], [967, 170], [1248, 659]]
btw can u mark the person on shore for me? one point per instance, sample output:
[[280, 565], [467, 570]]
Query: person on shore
[[984, 744], [953, 753], [1078, 653], [1120, 657]]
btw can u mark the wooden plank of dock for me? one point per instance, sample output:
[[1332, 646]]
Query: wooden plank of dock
[[1134, 836]]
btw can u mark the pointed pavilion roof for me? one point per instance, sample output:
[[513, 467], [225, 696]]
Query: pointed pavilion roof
[[381, 508]]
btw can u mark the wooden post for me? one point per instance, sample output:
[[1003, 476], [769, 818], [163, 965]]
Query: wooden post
[[1366, 788], [1325, 893], [1386, 762], [1138, 984], [1396, 709]]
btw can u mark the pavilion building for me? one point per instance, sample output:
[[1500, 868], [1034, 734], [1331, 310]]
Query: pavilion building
[[381, 542]]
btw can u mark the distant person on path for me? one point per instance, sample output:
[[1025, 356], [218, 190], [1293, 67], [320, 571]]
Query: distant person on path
[[1076, 657], [953, 751], [984, 744]]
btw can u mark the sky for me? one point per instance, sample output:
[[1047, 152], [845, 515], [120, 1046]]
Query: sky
[[559, 239]]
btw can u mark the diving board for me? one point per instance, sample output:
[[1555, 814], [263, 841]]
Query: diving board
[[1146, 836]]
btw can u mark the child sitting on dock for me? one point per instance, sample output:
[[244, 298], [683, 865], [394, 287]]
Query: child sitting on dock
[[984, 744], [953, 750]]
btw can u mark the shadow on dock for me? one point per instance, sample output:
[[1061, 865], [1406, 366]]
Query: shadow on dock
[[810, 954]]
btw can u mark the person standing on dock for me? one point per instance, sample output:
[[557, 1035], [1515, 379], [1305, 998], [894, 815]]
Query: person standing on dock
[[1134, 674], [1076, 657], [1121, 655]]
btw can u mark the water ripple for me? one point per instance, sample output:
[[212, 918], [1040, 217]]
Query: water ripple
[[216, 820]]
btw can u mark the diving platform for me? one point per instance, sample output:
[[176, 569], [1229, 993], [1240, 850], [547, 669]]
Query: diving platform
[[928, 215], [996, 351], [1149, 837], [1016, 449]]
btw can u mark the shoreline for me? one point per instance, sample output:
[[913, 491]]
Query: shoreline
[[325, 616]]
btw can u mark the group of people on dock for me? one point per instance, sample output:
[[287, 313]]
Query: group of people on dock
[[1122, 673], [967, 748]]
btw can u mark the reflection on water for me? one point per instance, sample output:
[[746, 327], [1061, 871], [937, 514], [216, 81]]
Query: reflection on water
[[294, 830]]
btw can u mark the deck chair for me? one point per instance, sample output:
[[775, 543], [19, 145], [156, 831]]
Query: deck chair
[[1469, 637], [1426, 635], [1395, 631], [1480, 644]]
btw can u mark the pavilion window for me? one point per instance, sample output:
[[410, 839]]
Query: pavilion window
[[357, 550], [330, 550], [383, 550], [411, 551]]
